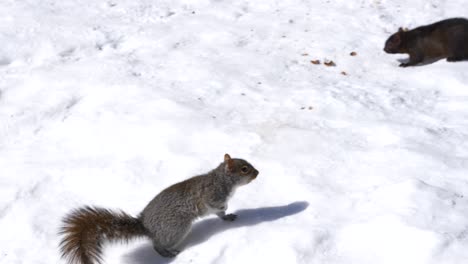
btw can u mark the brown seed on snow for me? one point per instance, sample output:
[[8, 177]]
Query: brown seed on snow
[[315, 62], [353, 53], [330, 63]]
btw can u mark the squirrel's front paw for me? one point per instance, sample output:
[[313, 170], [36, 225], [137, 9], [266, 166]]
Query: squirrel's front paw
[[229, 217]]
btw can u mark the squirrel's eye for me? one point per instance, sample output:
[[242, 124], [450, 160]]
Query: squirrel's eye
[[245, 169]]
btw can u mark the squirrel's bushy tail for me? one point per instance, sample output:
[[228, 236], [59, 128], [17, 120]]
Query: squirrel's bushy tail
[[86, 228]]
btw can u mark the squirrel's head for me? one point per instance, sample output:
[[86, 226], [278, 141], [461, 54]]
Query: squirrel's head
[[239, 169], [394, 42]]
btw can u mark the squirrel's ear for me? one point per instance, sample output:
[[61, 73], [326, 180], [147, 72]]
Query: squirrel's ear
[[397, 39], [229, 162], [401, 29]]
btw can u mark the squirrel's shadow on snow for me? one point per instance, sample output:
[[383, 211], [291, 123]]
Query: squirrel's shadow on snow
[[204, 229]]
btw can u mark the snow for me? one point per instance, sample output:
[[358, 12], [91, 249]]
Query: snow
[[108, 102]]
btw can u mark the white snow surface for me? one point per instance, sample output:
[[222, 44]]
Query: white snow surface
[[106, 103]]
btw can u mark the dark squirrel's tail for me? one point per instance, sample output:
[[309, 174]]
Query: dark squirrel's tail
[[86, 228]]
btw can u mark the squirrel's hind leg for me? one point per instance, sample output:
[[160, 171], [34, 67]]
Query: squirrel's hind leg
[[166, 242], [457, 58], [458, 50], [167, 253]]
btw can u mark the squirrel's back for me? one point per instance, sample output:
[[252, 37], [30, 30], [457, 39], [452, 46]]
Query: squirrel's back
[[183, 200]]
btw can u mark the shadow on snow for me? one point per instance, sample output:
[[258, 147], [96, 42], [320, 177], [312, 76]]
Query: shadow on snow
[[204, 229]]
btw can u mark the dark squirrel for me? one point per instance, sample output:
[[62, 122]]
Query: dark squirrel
[[166, 220], [444, 39]]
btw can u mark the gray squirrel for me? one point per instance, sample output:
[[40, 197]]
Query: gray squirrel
[[166, 220]]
